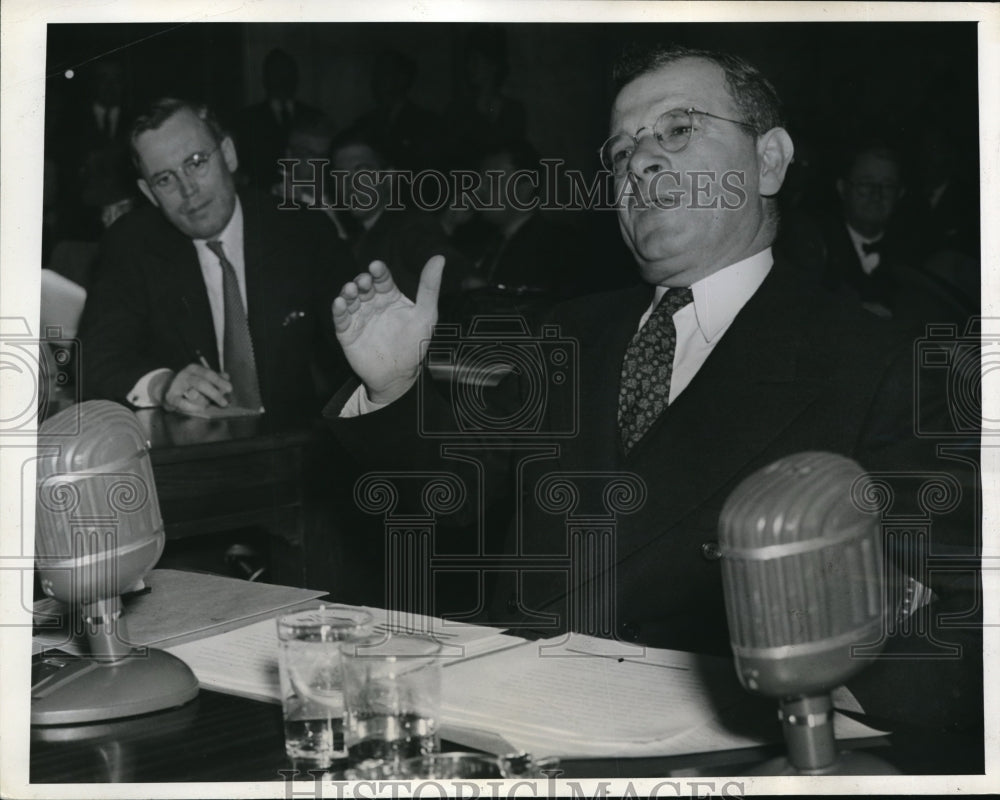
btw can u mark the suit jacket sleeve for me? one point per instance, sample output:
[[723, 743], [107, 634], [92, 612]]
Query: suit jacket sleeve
[[115, 335]]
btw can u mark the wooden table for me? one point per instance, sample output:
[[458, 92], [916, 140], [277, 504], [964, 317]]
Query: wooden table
[[219, 737], [220, 475]]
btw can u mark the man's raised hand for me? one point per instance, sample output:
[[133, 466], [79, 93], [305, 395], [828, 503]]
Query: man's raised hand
[[383, 333]]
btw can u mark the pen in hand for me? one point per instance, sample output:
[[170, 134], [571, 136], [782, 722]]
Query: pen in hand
[[204, 362]]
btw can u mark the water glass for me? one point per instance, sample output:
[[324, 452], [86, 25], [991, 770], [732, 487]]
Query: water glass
[[392, 697], [312, 696]]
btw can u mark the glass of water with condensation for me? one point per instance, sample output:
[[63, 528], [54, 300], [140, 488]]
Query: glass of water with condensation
[[309, 666], [392, 697]]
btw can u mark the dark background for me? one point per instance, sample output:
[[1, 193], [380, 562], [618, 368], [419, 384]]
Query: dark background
[[839, 80]]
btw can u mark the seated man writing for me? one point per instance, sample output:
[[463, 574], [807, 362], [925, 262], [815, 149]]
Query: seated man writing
[[209, 297]]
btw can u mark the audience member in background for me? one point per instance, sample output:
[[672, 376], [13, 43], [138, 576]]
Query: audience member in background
[[405, 237], [89, 150], [263, 128], [411, 133], [308, 141], [481, 115], [527, 259], [865, 250], [107, 188], [207, 296]]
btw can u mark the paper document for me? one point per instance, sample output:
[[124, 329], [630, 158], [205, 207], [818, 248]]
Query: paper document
[[591, 697], [179, 605], [219, 412], [245, 661]]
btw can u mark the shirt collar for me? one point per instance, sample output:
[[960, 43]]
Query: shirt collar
[[719, 297], [859, 240]]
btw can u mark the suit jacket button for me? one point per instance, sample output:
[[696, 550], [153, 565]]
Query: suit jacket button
[[710, 551]]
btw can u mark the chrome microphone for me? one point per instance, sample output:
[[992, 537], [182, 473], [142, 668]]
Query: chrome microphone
[[802, 576], [98, 531]]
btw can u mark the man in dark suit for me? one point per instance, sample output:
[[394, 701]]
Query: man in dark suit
[[208, 296], [744, 362], [867, 249], [379, 222], [262, 129]]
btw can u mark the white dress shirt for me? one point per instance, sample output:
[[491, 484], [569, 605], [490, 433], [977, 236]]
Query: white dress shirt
[[700, 325], [869, 261], [106, 118], [211, 272], [718, 298]]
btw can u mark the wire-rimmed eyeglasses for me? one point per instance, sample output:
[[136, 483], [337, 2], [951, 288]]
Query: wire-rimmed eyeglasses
[[194, 166], [672, 130]]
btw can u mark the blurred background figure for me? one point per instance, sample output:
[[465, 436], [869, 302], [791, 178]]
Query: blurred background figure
[[525, 250], [866, 248], [411, 133], [480, 114], [87, 156], [308, 140], [263, 128], [374, 218]]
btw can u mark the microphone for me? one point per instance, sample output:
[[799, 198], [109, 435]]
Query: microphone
[[803, 583], [98, 531]]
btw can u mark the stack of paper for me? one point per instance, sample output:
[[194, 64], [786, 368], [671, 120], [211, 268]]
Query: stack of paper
[[179, 606], [245, 661], [595, 698]]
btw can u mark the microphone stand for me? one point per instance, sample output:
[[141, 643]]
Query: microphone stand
[[807, 724], [117, 680]]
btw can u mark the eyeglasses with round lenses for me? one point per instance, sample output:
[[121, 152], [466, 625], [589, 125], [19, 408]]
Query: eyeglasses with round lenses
[[672, 130], [194, 166]]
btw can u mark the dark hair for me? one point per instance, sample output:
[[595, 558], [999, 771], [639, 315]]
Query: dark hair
[[873, 147], [278, 63], [159, 111], [357, 136], [753, 94], [521, 152]]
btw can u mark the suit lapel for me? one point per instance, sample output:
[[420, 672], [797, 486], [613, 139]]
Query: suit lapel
[[746, 393], [601, 349], [256, 253], [179, 262]]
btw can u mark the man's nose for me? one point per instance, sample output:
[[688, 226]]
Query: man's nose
[[188, 185], [648, 158]]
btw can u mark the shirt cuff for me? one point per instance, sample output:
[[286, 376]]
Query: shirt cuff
[[139, 396], [359, 404]]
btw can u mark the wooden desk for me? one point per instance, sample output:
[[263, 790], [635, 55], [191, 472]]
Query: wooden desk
[[219, 475], [220, 737]]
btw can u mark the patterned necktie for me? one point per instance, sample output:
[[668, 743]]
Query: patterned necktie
[[649, 361], [237, 347]]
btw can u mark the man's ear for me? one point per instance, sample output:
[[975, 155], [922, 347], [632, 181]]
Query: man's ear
[[774, 154], [229, 154], [144, 188]]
